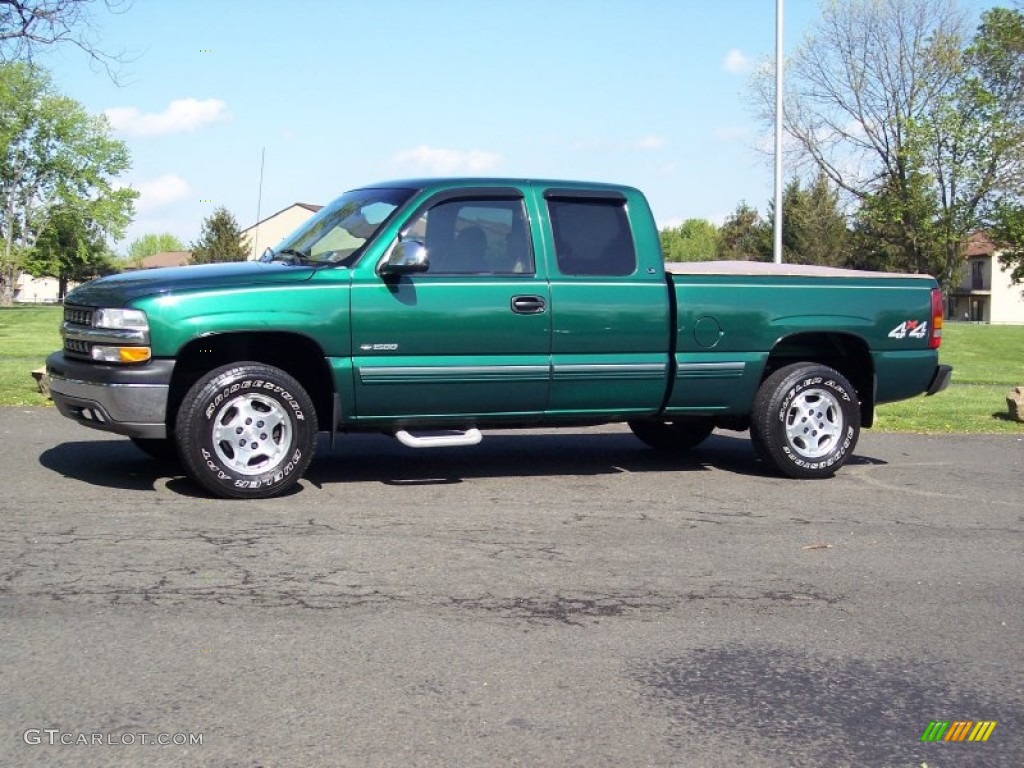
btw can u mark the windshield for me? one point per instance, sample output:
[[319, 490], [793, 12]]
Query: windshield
[[337, 233]]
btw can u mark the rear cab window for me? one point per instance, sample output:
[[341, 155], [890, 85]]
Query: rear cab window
[[591, 233]]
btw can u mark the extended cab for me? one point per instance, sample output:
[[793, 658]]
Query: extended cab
[[432, 309]]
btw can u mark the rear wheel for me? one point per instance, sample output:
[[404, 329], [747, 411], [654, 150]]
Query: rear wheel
[[246, 431], [672, 436], [806, 420]]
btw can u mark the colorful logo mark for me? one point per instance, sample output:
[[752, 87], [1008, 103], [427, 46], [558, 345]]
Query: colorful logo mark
[[958, 730]]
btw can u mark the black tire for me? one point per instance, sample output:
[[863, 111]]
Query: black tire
[[672, 436], [165, 449], [246, 431], [806, 420]]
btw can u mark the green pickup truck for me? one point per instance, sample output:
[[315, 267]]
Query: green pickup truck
[[432, 309]]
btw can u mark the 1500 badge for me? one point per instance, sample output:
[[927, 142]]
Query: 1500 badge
[[378, 347], [915, 329]]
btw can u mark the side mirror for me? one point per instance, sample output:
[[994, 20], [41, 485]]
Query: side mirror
[[406, 257]]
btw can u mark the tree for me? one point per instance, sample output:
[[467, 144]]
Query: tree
[[54, 156], [693, 240], [745, 236], [147, 245], [998, 53], [28, 25], [71, 247], [894, 230], [814, 229], [972, 142], [920, 130], [219, 240], [1008, 232]]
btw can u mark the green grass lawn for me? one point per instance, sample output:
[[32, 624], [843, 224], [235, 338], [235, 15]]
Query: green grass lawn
[[27, 336], [987, 362]]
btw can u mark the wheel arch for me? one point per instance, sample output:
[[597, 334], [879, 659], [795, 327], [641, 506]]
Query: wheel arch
[[296, 354], [847, 353]]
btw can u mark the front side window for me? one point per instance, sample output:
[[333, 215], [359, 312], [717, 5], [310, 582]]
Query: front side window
[[339, 231], [475, 236], [592, 237]]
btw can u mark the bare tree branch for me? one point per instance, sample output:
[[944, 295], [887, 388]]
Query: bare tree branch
[[29, 26]]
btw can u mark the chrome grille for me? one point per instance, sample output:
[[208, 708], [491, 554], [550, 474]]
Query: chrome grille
[[78, 315], [76, 347]]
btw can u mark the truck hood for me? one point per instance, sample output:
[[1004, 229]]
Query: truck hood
[[119, 290]]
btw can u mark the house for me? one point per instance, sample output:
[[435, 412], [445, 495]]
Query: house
[[167, 259], [270, 231], [986, 294], [37, 290]]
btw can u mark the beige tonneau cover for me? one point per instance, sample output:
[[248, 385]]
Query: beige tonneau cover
[[770, 268]]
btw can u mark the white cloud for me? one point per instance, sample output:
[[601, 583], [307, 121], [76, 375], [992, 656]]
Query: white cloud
[[650, 142], [735, 61], [161, 191], [447, 161], [181, 116]]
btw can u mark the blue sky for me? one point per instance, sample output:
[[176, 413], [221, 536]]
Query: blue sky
[[649, 93]]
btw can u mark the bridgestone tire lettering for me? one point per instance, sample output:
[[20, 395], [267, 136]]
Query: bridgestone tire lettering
[[260, 460]]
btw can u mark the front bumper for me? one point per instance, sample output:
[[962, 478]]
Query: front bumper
[[940, 380], [128, 400]]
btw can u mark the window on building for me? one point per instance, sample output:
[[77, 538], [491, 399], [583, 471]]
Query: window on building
[[977, 275]]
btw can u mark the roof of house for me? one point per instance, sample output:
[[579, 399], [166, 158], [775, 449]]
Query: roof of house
[[979, 244], [308, 206], [167, 259]]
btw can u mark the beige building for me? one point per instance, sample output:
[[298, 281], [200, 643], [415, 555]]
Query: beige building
[[271, 230], [986, 294], [37, 290]]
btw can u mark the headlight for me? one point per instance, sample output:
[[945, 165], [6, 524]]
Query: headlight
[[121, 319]]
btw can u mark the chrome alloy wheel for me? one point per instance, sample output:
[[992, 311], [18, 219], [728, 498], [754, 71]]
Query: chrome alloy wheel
[[252, 434], [814, 423]]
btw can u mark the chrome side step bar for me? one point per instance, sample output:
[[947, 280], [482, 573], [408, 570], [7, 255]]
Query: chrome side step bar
[[444, 440]]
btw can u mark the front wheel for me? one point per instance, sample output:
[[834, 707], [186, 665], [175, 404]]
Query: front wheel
[[246, 431], [806, 420]]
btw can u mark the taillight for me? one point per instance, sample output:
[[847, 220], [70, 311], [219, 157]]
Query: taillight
[[936, 338]]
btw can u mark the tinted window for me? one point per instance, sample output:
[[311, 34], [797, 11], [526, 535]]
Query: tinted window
[[475, 236], [592, 237]]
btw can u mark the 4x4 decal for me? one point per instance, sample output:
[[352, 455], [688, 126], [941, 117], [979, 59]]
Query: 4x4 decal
[[915, 329]]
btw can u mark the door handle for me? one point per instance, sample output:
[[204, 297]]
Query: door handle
[[528, 305]]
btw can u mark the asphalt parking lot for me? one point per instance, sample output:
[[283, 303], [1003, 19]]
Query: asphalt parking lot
[[545, 599]]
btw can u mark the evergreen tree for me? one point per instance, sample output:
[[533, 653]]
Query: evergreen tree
[[220, 239], [814, 229], [745, 236]]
